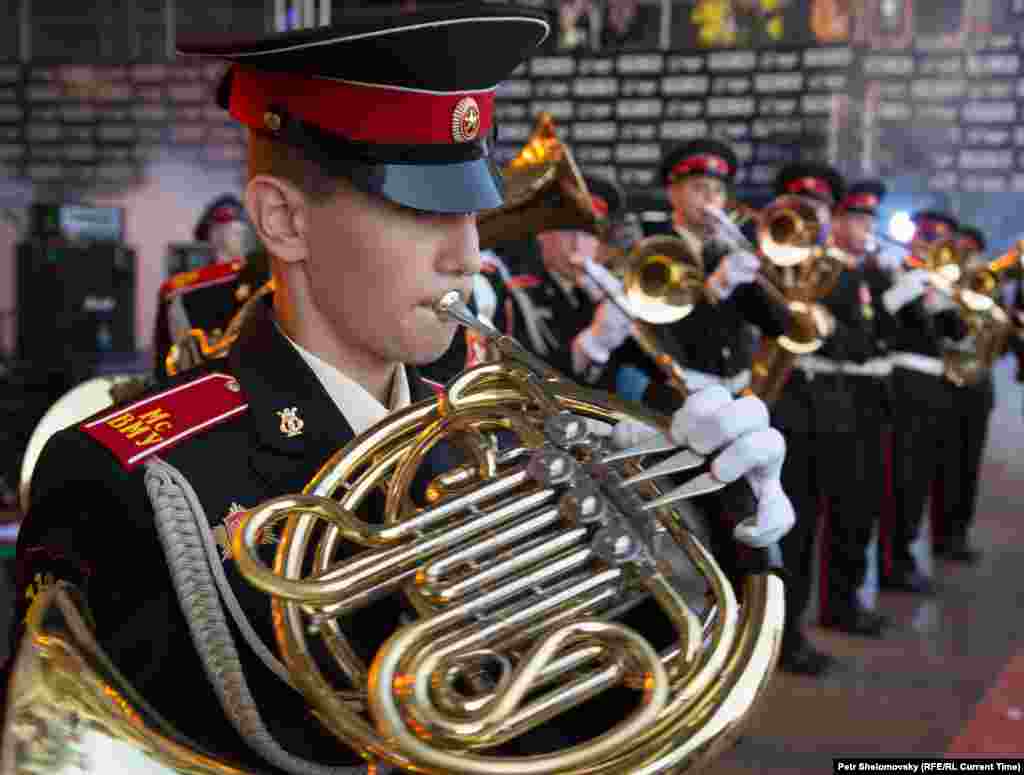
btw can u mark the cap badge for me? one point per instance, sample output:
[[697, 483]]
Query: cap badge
[[272, 121], [466, 120], [291, 423]]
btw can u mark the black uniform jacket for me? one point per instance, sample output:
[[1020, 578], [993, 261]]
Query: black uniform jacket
[[716, 338], [210, 297], [915, 330], [91, 522], [837, 402]]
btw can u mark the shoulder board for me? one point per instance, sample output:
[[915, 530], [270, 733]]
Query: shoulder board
[[165, 419], [214, 274], [523, 281]]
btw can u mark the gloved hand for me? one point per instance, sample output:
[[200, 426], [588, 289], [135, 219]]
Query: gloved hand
[[734, 270], [910, 287], [606, 332], [712, 421], [936, 302]]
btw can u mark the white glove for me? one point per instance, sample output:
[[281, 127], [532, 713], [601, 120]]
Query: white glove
[[608, 330], [936, 302], [734, 270], [710, 421], [910, 287]]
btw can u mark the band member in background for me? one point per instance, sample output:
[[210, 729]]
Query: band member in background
[[714, 342], [922, 403], [369, 218], [847, 383], [955, 489], [795, 413], [205, 298], [558, 312]]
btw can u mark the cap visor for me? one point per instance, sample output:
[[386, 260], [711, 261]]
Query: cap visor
[[459, 187]]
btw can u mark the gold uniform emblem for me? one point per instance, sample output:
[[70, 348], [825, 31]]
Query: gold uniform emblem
[[242, 292], [224, 533], [466, 120], [291, 423]]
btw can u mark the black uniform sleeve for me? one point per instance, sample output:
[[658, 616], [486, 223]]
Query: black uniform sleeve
[[757, 307], [161, 338], [90, 523], [950, 325]]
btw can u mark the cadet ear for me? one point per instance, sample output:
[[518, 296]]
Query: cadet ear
[[279, 214]]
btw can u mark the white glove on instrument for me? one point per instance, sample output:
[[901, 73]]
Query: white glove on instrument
[[734, 270], [910, 287], [608, 330], [712, 421]]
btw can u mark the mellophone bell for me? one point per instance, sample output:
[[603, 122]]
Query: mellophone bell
[[285, 546]]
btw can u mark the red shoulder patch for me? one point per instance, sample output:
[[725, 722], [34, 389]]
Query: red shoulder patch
[[523, 281], [214, 274], [164, 420]]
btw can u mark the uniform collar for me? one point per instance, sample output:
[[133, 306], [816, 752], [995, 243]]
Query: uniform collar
[[693, 242], [361, 409], [279, 385]]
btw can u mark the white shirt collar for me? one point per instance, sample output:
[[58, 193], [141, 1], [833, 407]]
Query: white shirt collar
[[355, 402], [695, 243]]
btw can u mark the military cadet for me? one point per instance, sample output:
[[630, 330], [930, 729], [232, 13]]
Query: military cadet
[[714, 342], [955, 490], [847, 383], [368, 216], [922, 403], [558, 312], [821, 188], [205, 298]]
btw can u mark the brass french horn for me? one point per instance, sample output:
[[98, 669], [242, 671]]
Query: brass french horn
[[517, 566]]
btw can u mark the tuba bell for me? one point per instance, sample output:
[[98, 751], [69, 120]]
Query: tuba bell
[[516, 566], [544, 189]]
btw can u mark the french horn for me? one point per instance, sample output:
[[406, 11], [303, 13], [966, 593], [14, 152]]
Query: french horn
[[517, 565]]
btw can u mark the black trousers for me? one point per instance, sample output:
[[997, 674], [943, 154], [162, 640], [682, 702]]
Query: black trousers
[[922, 416], [955, 494], [851, 477], [799, 481]]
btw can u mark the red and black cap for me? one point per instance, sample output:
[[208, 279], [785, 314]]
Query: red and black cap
[[223, 209], [608, 197], [864, 197], [401, 104], [699, 157], [971, 238], [933, 225], [818, 181]]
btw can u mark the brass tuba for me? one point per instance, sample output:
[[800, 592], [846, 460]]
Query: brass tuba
[[544, 189], [517, 565]]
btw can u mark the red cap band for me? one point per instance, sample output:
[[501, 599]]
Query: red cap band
[[382, 115], [862, 201], [702, 163], [930, 229], [817, 185], [225, 214], [600, 205]]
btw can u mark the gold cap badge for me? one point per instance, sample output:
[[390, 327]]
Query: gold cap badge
[[466, 120]]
